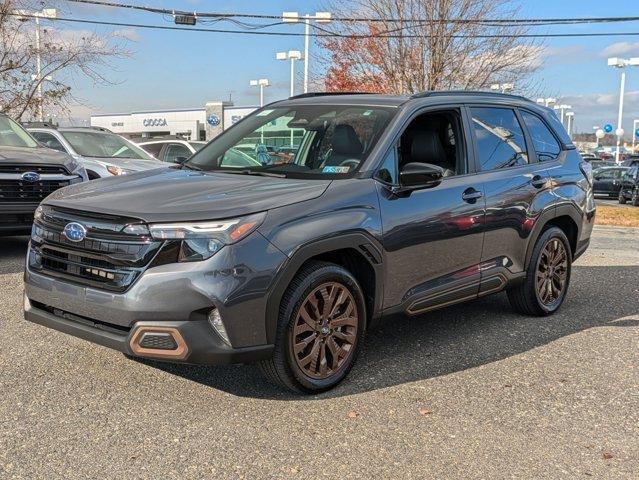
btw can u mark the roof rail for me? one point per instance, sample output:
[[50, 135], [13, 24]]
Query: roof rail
[[92, 127], [38, 125], [324, 94], [442, 93]]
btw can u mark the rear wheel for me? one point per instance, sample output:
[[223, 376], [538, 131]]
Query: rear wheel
[[547, 276], [320, 329]]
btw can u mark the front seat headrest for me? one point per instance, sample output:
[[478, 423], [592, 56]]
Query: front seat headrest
[[345, 141], [427, 148]]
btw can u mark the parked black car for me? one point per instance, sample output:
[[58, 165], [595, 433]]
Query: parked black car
[[607, 180], [391, 205], [629, 190], [28, 173]]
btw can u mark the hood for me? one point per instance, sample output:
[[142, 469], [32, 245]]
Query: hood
[[134, 164], [185, 195], [33, 156]]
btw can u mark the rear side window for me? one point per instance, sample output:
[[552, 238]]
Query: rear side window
[[499, 138], [544, 142]]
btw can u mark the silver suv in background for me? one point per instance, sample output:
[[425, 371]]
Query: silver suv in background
[[102, 153], [170, 150]]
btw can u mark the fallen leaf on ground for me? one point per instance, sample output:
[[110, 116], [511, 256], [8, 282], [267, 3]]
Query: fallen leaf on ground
[[353, 414], [607, 455], [424, 411]]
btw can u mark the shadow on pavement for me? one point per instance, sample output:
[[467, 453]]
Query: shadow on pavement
[[453, 339], [12, 254]]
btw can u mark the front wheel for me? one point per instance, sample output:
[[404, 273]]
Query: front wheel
[[635, 197], [547, 276], [320, 329], [622, 198]]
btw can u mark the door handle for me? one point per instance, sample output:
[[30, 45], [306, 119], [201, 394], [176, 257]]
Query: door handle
[[471, 195], [538, 181]]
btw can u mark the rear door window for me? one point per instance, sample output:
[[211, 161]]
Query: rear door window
[[499, 138]]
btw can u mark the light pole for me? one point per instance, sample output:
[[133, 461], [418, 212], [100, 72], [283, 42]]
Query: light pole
[[547, 102], [562, 108], [571, 117], [635, 133], [294, 17], [291, 55], [621, 63], [44, 13], [503, 87], [596, 128], [262, 82]]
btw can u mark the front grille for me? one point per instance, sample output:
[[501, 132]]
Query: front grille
[[52, 169], [15, 189], [29, 192], [107, 258]]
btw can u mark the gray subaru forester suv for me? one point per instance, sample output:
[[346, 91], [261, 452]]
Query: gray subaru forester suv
[[386, 205]]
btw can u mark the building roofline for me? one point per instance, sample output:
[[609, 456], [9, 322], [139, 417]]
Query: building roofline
[[168, 110]]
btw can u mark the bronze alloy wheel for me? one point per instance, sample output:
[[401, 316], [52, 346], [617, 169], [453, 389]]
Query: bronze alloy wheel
[[552, 272], [325, 330]]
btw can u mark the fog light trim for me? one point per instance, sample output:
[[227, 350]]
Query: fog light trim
[[178, 353]]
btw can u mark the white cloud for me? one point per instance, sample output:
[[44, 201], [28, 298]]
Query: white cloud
[[620, 49], [599, 108], [130, 34]]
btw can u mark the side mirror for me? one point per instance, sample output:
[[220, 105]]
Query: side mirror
[[180, 160], [415, 175]]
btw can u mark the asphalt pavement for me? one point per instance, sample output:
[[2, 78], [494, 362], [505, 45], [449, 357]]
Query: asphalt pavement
[[471, 391]]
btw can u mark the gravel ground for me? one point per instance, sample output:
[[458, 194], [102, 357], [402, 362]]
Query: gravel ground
[[471, 391]]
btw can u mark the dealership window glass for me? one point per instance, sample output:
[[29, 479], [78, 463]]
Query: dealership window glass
[[499, 138], [174, 151], [101, 144], [49, 141], [544, 142], [13, 135], [327, 141]]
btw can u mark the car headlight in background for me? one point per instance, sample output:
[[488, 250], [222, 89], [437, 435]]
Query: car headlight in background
[[113, 170], [201, 240]]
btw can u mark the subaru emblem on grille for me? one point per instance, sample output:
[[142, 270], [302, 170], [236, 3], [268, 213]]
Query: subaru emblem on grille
[[30, 177], [75, 231]]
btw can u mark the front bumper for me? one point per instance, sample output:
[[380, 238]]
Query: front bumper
[[16, 217], [203, 345]]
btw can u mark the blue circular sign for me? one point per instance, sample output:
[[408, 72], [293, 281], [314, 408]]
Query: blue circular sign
[[75, 231], [607, 128], [213, 120], [637, 133]]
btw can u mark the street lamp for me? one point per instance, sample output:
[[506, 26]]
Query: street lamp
[[294, 17], [570, 119], [597, 129], [621, 63], [503, 87], [562, 108], [291, 55], [262, 82], [44, 13], [547, 102]]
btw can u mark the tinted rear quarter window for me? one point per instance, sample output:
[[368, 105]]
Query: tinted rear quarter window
[[499, 138], [544, 142]]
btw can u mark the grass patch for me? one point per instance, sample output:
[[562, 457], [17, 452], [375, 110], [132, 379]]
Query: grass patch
[[617, 216]]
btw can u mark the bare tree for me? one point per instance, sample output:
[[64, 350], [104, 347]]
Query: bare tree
[[64, 54], [450, 47]]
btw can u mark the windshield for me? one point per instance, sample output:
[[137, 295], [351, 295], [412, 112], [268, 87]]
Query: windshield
[[311, 141], [13, 135], [101, 144], [197, 145]]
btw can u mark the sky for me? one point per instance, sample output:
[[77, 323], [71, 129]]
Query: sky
[[175, 69]]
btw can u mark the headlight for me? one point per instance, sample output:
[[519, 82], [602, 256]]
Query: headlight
[[202, 240], [37, 215], [113, 170]]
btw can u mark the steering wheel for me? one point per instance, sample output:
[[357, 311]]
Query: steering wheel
[[351, 162]]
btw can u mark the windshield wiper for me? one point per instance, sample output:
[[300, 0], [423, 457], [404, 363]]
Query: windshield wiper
[[263, 174], [190, 167]]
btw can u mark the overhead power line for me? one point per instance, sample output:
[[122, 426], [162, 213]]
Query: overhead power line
[[296, 34], [489, 21]]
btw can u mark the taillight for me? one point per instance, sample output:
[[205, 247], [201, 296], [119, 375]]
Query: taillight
[[586, 169]]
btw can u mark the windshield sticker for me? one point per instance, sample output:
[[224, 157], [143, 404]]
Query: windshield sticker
[[367, 113], [336, 169], [264, 113]]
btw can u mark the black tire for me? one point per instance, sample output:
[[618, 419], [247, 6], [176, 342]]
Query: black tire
[[634, 200], [283, 368], [525, 297], [622, 198]]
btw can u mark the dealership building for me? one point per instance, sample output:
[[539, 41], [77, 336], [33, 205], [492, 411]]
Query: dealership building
[[190, 123]]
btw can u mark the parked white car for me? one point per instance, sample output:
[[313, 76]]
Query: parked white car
[[170, 150], [100, 152]]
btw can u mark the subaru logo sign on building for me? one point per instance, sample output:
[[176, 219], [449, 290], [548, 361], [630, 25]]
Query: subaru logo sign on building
[[213, 120], [30, 177], [74, 231]]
